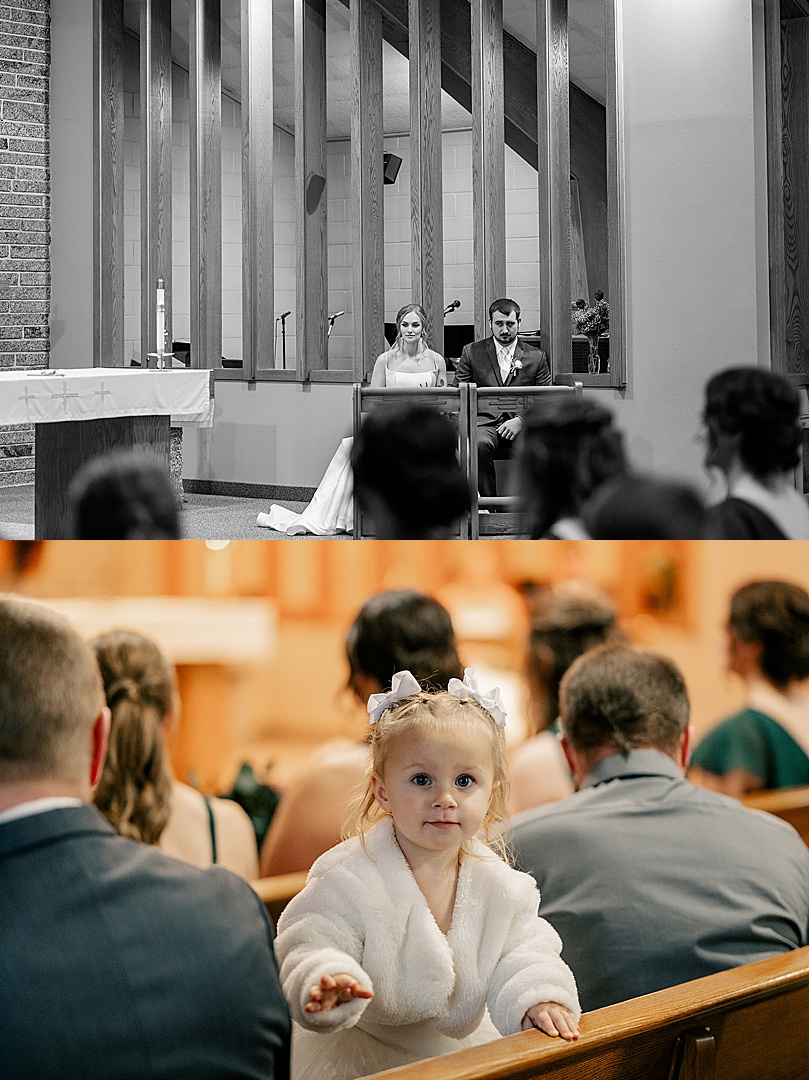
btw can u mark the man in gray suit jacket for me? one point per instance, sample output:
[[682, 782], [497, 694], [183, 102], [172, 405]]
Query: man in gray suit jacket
[[115, 960], [500, 360], [649, 880]]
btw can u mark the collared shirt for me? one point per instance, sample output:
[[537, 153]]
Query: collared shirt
[[38, 806], [651, 881], [504, 357]]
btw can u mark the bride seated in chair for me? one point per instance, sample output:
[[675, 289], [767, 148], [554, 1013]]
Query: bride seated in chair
[[409, 362]]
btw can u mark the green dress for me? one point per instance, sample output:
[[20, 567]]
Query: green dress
[[753, 741]]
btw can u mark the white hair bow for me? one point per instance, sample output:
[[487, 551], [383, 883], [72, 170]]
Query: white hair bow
[[402, 685], [491, 702]]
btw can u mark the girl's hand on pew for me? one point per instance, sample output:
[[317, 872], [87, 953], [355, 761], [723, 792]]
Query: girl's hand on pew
[[553, 1019], [333, 990]]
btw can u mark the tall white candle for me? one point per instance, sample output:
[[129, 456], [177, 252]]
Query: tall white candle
[[161, 322]]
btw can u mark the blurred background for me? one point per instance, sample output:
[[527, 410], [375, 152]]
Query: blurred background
[[256, 630]]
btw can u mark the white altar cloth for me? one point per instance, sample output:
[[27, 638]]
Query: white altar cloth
[[95, 393]]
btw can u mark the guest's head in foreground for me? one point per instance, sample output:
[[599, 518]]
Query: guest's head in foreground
[[768, 633], [396, 630], [569, 447], [134, 792], [618, 698], [53, 718], [751, 417], [406, 473], [124, 495], [635, 507]]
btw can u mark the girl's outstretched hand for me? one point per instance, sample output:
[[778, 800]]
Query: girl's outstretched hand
[[553, 1019], [333, 990]]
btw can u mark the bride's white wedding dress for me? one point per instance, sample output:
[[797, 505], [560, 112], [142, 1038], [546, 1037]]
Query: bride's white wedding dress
[[332, 507]]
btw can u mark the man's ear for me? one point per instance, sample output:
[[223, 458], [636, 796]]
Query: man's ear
[[686, 742], [101, 734], [380, 792]]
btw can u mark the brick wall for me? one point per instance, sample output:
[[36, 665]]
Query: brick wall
[[24, 209]]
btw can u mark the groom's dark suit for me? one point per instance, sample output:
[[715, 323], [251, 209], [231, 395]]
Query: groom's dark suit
[[478, 364], [119, 962]]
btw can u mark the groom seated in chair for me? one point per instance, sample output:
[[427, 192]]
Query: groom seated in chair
[[500, 360]]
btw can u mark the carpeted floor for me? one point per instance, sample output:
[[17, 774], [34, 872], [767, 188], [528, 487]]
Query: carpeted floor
[[203, 517]]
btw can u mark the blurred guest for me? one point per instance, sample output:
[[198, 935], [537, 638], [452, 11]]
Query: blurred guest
[[753, 437], [124, 495], [393, 631], [116, 961], [566, 622], [650, 881], [641, 508], [766, 745], [406, 473], [137, 792], [569, 448]]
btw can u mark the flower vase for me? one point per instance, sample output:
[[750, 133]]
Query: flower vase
[[593, 358]]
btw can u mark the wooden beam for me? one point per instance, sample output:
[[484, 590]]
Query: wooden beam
[[258, 255], [310, 185], [426, 194], [155, 189], [553, 145], [367, 191], [108, 194], [206, 183], [616, 220], [488, 159], [773, 37]]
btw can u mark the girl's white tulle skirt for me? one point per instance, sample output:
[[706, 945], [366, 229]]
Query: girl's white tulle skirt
[[357, 1052]]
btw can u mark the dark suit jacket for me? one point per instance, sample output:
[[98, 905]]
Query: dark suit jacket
[[117, 961], [478, 364]]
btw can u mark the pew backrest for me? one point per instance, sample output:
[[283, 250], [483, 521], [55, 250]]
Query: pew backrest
[[277, 891], [791, 804], [747, 1023]]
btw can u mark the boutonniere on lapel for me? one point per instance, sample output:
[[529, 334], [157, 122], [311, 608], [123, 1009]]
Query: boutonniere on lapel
[[516, 364]]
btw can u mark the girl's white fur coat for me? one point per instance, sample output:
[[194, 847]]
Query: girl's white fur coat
[[362, 913]]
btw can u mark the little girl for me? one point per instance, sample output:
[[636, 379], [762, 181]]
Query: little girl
[[413, 938]]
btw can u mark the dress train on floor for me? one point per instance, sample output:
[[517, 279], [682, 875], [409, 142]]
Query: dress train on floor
[[332, 507]]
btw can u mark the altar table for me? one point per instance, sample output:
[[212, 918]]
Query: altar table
[[80, 413]]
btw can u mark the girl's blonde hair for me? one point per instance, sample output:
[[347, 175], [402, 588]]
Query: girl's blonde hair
[[433, 712], [134, 792]]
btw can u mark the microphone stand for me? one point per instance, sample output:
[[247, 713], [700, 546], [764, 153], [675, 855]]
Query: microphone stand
[[283, 319]]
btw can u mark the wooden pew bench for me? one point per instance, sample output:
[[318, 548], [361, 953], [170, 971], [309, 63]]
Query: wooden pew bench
[[791, 804], [748, 1023], [276, 892]]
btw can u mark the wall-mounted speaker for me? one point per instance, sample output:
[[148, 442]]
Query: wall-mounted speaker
[[390, 166]]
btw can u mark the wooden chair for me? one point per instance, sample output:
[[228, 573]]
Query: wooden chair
[[276, 892], [504, 399], [791, 804], [742, 1024], [452, 401]]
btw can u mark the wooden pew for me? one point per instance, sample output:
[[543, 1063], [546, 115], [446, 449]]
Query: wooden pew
[[742, 1024], [791, 804], [276, 892]]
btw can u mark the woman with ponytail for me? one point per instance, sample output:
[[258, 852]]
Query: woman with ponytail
[[137, 792]]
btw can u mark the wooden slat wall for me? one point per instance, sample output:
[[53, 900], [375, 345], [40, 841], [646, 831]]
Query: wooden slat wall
[[616, 224], [155, 191], [258, 255], [108, 210], [367, 191], [310, 186], [553, 151], [206, 183], [426, 195], [488, 159], [794, 194], [775, 186]]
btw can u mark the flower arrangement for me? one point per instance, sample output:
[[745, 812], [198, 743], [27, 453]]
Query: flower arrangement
[[591, 320]]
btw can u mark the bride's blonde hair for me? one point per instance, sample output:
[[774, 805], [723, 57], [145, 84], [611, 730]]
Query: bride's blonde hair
[[400, 314]]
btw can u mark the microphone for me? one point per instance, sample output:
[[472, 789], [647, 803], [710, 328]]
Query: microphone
[[451, 307], [282, 317]]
